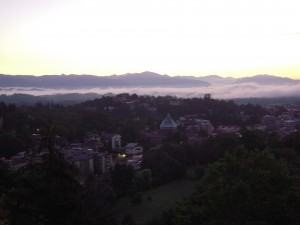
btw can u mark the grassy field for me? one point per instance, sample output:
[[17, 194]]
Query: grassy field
[[162, 199]]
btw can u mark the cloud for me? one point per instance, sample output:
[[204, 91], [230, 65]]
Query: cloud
[[217, 91]]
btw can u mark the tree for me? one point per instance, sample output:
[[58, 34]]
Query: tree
[[244, 188], [293, 141], [42, 196], [96, 205], [255, 139], [143, 180], [128, 220], [7, 177], [164, 167], [10, 145], [122, 178], [214, 148], [46, 193]]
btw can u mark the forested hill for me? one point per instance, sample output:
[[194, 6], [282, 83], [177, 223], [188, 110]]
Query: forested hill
[[75, 98]]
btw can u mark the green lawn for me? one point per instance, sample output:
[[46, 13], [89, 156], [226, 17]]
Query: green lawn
[[163, 198]]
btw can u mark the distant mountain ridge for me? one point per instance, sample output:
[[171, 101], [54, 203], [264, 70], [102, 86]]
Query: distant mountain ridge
[[215, 79], [267, 80], [144, 79]]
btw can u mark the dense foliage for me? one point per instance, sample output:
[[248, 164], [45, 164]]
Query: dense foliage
[[47, 193], [244, 188]]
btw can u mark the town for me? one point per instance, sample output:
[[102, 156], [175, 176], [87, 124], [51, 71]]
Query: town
[[155, 139], [97, 153]]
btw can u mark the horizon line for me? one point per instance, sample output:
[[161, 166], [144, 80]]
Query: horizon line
[[147, 71]]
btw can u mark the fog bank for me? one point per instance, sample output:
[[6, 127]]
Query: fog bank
[[228, 91]]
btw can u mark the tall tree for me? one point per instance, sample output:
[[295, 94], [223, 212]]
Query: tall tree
[[244, 188], [122, 178], [46, 193]]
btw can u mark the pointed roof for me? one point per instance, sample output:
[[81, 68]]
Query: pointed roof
[[168, 123]]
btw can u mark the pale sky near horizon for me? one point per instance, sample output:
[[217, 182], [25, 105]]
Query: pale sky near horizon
[[176, 37]]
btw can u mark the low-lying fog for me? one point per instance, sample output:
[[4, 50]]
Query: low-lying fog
[[217, 91]]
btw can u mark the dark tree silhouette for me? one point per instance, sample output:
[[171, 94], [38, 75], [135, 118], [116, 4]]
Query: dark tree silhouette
[[244, 188]]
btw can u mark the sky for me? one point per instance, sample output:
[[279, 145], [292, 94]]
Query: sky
[[233, 38]]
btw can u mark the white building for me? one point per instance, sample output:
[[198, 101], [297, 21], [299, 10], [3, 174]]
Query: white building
[[116, 142], [113, 139], [133, 149]]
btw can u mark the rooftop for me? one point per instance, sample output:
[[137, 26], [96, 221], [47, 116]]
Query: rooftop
[[168, 123]]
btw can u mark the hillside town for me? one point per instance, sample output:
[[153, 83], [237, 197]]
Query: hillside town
[[99, 151], [119, 152]]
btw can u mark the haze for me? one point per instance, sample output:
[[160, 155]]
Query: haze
[[217, 91], [180, 37]]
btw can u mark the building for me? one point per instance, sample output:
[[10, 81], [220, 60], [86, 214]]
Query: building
[[228, 129], [82, 159], [205, 125], [89, 162], [114, 140], [102, 163], [154, 137], [133, 149], [194, 138], [84, 163], [168, 123], [193, 125], [135, 161], [150, 107], [92, 141], [256, 127], [272, 122]]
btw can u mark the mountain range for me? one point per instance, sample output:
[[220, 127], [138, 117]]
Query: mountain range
[[144, 79]]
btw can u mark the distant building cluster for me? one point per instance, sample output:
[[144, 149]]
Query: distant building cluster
[[90, 157], [99, 152], [196, 129], [283, 125]]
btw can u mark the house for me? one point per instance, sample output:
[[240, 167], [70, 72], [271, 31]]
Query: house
[[228, 129], [272, 122], [154, 137], [194, 125], [205, 125], [133, 149], [92, 141], [88, 162]]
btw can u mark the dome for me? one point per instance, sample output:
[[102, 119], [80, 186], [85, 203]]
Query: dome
[[168, 123]]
